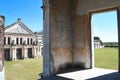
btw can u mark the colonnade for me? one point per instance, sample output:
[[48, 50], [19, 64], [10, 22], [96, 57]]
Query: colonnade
[[23, 54]]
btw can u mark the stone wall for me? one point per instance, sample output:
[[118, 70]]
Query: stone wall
[[69, 37], [67, 33], [60, 34]]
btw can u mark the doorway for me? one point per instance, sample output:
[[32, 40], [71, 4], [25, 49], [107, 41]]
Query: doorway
[[29, 52], [7, 54], [19, 53], [105, 47]]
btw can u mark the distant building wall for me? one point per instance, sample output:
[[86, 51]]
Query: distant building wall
[[21, 43]]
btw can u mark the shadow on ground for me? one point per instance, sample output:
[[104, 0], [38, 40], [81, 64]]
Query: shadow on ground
[[111, 76], [54, 78]]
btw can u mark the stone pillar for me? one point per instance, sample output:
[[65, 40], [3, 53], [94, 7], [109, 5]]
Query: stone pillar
[[40, 51], [25, 40], [118, 15], [25, 53], [14, 54], [15, 40], [46, 40], [2, 20], [6, 40], [35, 52], [11, 53], [32, 51]]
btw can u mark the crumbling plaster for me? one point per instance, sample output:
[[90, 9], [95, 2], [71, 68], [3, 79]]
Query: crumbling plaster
[[67, 33]]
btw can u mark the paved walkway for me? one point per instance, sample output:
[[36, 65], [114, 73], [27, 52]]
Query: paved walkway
[[90, 74], [2, 75]]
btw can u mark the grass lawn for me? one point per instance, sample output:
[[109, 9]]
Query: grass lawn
[[28, 69], [106, 58]]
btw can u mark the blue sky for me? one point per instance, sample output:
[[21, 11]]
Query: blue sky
[[104, 25], [29, 11]]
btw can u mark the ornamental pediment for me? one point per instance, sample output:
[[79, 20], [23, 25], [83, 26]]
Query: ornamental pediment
[[17, 29]]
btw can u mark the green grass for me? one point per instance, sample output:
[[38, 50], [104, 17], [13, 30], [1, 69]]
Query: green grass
[[106, 58], [28, 69]]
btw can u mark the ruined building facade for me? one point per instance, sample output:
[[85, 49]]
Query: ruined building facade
[[68, 33], [20, 42]]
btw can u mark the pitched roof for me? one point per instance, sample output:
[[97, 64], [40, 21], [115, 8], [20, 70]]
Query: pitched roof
[[18, 27]]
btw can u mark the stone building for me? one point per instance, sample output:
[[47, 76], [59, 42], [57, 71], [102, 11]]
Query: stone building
[[20, 42], [40, 43], [98, 44]]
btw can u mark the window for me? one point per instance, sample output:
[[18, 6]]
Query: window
[[31, 40], [21, 41], [4, 40], [17, 41], [8, 40], [28, 41]]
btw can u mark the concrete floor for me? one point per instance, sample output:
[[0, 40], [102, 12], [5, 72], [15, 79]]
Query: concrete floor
[[90, 74]]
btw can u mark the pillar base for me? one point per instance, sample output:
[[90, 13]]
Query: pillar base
[[43, 75], [25, 57], [13, 59]]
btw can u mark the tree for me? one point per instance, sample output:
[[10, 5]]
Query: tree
[[96, 38]]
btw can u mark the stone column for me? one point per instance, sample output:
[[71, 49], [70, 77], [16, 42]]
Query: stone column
[[25, 53], [6, 40], [2, 20], [46, 40], [118, 15], [34, 52], [11, 51], [40, 51], [15, 40], [13, 54]]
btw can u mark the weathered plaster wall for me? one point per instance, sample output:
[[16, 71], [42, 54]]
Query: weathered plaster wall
[[84, 6], [81, 51], [61, 36], [67, 32], [69, 36]]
